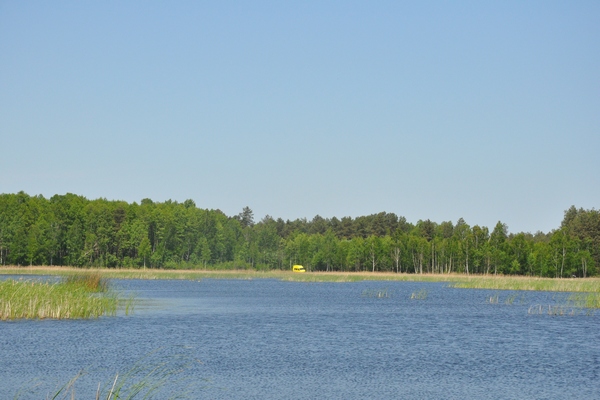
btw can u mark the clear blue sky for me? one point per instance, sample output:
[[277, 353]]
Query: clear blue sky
[[482, 110]]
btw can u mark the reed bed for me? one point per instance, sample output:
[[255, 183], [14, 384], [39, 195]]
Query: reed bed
[[585, 300], [196, 274], [590, 285], [585, 293], [94, 282], [72, 298]]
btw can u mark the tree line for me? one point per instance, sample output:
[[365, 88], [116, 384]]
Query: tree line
[[72, 230]]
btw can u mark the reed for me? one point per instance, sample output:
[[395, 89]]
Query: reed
[[147, 379], [510, 299], [493, 299], [71, 298], [559, 310], [591, 285], [138, 383], [585, 300], [93, 281], [376, 293], [419, 295], [195, 274]]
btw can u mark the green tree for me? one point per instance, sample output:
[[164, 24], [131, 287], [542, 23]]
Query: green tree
[[373, 245], [144, 249], [246, 217], [329, 249], [355, 254]]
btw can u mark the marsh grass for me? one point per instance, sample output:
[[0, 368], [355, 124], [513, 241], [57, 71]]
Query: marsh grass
[[74, 297], [376, 293], [493, 299], [139, 382], [419, 295], [512, 298], [198, 274], [149, 378], [559, 310], [568, 304], [145, 380], [93, 281], [515, 298], [585, 300], [591, 286], [528, 283]]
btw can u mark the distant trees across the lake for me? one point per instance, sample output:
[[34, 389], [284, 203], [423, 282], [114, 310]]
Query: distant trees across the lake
[[72, 230]]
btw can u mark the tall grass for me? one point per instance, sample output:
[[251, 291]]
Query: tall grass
[[585, 293], [376, 293], [234, 274], [141, 382], [92, 281], [420, 295], [78, 296], [590, 285], [585, 300], [154, 376]]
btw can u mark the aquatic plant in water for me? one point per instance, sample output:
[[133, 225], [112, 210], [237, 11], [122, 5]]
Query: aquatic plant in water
[[376, 293], [585, 300], [493, 299], [591, 285], [92, 281], [80, 296], [420, 295], [147, 379], [558, 310], [509, 300]]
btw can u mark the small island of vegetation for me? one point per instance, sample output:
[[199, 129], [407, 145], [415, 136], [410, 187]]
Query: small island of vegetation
[[75, 296]]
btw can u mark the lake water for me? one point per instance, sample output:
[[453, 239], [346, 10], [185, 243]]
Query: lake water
[[267, 339]]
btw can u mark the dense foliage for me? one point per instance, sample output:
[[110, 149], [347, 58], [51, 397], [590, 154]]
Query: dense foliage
[[72, 230]]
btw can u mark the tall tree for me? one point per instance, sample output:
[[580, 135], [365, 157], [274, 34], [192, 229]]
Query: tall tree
[[246, 217]]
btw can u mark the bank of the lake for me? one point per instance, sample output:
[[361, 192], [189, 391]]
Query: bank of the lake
[[496, 282]]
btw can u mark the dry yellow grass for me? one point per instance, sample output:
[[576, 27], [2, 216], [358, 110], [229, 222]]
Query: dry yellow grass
[[591, 285]]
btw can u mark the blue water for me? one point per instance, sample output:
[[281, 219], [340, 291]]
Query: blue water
[[267, 339]]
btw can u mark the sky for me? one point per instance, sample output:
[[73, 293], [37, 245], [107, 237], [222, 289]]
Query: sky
[[486, 111]]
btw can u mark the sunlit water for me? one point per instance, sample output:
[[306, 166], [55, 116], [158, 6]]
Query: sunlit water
[[266, 339]]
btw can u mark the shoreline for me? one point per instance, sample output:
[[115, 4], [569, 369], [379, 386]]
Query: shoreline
[[497, 282]]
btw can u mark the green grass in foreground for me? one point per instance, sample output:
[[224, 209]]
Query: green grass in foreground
[[80, 296], [147, 379]]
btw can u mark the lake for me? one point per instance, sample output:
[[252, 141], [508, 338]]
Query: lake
[[268, 339]]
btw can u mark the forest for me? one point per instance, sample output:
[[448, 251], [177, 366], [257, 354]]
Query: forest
[[72, 230]]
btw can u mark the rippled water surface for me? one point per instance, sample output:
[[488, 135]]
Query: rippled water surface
[[267, 339]]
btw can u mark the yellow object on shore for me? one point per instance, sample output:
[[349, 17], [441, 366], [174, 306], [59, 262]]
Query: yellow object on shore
[[298, 268]]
